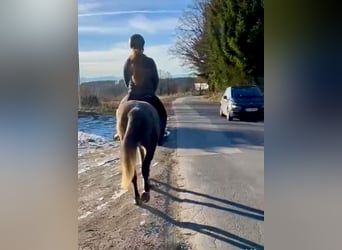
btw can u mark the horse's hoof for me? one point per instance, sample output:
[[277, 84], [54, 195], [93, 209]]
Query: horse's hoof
[[145, 197], [137, 201]]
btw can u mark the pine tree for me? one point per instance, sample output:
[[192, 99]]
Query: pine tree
[[223, 41], [235, 34]]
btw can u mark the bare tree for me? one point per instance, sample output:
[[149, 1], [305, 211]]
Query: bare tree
[[160, 89], [191, 42]]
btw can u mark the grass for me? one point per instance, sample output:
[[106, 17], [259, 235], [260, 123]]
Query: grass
[[214, 97]]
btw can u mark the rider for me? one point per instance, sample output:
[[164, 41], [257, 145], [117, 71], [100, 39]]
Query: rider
[[141, 78]]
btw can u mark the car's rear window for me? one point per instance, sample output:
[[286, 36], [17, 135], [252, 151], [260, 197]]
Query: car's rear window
[[246, 92]]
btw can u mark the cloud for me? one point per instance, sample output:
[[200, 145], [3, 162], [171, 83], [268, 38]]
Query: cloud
[[110, 62], [138, 22], [142, 23], [102, 29], [87, 7], [127, 12]]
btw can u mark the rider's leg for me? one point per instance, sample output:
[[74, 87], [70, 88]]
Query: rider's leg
[[159, 106]]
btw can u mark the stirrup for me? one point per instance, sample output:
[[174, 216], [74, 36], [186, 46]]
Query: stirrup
[[116, 137], [166, 133]]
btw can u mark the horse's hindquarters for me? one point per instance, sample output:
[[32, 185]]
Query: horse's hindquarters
[[138, 127]]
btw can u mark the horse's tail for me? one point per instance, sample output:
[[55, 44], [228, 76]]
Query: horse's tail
[[128, 161], [129, 147]]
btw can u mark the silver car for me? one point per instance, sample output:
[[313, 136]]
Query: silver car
[[242, 102]]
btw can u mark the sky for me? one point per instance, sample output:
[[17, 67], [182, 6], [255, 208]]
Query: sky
[[104, 28]]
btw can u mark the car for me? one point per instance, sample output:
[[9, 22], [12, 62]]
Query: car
[[242, 102]]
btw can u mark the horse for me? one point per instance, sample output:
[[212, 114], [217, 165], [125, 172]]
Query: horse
[[138, 128]]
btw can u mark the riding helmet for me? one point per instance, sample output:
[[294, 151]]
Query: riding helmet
[[136, 41]]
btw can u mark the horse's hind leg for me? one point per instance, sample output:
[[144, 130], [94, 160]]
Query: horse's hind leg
[[145, 197], [137, 199]]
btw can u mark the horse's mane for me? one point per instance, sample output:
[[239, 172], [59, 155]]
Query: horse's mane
[[137, 66]]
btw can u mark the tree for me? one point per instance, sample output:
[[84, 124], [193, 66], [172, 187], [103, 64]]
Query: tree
[[168, 82], [223, 41], [191, 43], [235, 35]]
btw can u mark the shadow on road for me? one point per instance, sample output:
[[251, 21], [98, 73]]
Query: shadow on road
[[211, 231], [214, 232], [196, 138], [252, 213]]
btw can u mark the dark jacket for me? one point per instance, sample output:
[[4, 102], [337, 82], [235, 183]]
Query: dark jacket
[[151, 79]]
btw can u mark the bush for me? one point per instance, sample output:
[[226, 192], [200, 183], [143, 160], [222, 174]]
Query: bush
[[90, 101]]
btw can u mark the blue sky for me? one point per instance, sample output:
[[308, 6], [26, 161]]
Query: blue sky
[[105, 26]]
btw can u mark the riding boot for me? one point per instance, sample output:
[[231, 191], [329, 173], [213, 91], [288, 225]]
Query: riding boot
[[162, 131]]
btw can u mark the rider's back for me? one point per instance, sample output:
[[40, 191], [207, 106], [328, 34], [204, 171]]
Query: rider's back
[[141, 75]]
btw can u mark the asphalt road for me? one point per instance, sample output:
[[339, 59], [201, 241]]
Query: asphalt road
[[222, 166]]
